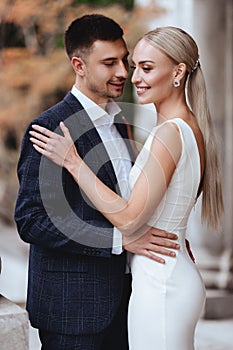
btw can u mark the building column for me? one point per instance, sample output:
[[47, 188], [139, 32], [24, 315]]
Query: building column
[[227, 265]]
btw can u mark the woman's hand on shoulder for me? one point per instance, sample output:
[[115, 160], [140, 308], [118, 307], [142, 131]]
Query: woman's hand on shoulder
[[60, 149]]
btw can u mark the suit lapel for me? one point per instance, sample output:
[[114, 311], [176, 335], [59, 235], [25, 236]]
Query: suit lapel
[[81, 126]]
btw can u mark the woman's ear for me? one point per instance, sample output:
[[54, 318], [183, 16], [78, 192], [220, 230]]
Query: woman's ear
[[180, 71], [78, 66]]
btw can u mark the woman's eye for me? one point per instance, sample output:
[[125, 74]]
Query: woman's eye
[[146, 69]]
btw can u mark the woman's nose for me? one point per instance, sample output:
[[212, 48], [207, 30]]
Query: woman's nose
[[135, 77]]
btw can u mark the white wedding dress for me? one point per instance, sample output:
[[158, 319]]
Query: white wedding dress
[[167, 300]]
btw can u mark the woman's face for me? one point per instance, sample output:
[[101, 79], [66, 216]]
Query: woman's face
[[153, 73]]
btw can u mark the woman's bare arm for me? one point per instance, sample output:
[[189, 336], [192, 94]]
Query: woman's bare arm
[[148, 190]]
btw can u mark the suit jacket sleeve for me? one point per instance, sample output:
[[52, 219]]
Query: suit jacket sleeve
[[51, 211]]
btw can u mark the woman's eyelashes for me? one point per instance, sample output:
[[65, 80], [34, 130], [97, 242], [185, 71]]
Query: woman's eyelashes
[[144, 68]]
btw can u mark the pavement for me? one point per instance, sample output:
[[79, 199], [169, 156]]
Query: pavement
[[210, 334], [214, 334]]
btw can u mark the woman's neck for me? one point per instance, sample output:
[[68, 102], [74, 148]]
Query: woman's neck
[[179, 109]]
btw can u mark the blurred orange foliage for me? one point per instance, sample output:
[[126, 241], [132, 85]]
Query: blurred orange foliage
[[34, 77]]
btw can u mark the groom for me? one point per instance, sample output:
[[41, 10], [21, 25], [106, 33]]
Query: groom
[[77, 286]]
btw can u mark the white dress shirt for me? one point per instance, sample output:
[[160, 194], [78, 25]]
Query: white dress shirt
[[115, 146]]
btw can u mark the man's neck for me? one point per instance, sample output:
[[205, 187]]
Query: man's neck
[[95, 98]]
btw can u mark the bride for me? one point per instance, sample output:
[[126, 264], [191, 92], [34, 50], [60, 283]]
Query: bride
[[177, 163]]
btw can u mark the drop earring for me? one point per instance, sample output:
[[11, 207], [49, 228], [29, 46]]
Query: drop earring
[[176, 82]]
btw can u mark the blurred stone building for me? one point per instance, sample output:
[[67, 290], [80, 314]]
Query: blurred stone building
[[213, 27]]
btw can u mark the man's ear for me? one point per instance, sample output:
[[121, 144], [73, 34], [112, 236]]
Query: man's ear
[[181, 71], [78, 66]]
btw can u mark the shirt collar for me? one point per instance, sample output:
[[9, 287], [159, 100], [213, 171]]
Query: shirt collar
[[97, 114]]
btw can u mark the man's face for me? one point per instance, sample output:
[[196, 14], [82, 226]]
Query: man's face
[[105, 70]]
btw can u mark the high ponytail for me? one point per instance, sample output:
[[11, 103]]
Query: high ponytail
[[212, 197], [181, 48]]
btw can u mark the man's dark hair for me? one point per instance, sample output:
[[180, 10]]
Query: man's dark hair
[[84, 31]]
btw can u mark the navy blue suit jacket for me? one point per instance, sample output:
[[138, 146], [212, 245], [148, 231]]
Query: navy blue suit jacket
[[75, 284]]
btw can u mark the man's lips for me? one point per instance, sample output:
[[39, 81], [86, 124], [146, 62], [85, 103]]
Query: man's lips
[[117, 84]]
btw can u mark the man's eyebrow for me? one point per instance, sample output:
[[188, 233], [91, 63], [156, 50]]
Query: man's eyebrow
[[109, 59], [114, 58]]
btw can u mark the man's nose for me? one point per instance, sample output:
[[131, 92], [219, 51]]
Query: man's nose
[[122, 70]]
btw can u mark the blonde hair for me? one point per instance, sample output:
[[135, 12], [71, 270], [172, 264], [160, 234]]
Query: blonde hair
[[180, 47]]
